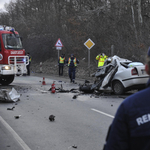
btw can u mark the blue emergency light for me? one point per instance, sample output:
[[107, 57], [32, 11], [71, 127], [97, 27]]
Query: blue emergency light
[[7, 28]]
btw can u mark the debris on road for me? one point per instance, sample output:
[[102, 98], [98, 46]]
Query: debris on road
[[74, 90], [11, 108], [42, 91], [17, 117], [14, 95], [86, 87], [6, 96], [74, 97], [74, 146], [52, 118], [62, 90], [96, 96]]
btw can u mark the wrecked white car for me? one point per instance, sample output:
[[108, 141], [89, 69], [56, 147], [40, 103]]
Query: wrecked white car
[[120, 75]]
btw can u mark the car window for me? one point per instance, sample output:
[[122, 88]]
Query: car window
[[133, 64], [124, 65]]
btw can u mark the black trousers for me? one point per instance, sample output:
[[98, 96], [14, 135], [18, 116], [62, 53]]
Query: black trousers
[[61, 70], [72, 72], [28, 69]]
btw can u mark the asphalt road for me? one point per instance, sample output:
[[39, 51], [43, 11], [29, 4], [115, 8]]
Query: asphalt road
[[80, 123]]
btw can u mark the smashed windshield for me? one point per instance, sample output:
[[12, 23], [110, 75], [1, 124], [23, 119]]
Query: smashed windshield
[[11, 41]]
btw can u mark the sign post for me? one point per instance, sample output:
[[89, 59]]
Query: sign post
[[89, 44], [58, 46]]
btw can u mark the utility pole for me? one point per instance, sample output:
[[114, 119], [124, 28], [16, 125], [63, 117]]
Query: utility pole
[[112, 50]]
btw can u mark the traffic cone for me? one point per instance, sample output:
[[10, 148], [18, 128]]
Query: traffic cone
[[43, 82]]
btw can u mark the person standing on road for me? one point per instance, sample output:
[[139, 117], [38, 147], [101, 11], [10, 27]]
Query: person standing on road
[[72, 64], [101, 58], [28, 66], [130, 129], [61, 62]]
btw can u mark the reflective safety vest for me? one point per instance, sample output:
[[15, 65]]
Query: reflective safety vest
[[101, 60], [29, 59], [75, 62], [61, 60]]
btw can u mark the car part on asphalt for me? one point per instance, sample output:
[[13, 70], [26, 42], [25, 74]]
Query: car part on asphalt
[[11, 108], [74, 146], [6, 96], [52, 118], [75, 96], [86, 87], [17, 117]]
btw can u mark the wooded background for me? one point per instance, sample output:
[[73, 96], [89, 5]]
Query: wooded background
[[122, 23]]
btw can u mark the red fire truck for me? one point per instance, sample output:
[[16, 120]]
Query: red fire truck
[[13, 60]]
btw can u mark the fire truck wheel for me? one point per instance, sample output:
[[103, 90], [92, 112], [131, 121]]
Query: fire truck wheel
[[6, 79]]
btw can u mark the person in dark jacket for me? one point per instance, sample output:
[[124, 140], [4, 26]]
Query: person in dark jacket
[[130, 129], [61, 62], [28, 66], [72, 64]]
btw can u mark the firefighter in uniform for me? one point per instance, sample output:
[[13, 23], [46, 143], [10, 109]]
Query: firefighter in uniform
[[101, 58], [72, 64], [130, 129], [28, 66], [61, 62]]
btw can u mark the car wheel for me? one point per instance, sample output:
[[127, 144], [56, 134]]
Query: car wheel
[[6, 79], [118, 88]]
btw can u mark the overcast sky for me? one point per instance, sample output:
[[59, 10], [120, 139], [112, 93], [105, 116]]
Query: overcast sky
[[2, 2]]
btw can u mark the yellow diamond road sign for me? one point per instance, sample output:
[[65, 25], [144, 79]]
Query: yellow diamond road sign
[[89, 43]]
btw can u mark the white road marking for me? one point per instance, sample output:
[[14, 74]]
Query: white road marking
[[102, 113], [15, 135]]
